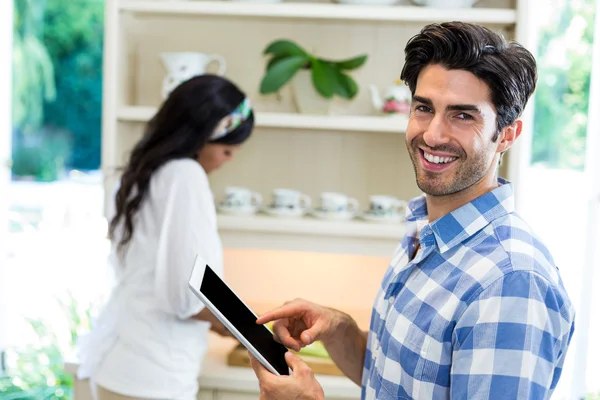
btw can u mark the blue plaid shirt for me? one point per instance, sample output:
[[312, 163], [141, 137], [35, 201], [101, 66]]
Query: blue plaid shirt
[[479, 313]]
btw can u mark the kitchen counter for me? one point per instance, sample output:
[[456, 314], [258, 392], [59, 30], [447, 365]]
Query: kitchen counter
[[218, 376]]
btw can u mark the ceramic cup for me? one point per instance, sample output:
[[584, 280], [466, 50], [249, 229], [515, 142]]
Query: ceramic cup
[[290, 199], [240, 197], [386, 205], [338, 203], [182, 66]]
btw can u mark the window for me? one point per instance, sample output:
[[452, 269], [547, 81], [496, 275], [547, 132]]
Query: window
[[555, 193], [57, 246]]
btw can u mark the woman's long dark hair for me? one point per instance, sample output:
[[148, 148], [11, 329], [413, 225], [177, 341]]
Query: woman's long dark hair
[[181, 127]]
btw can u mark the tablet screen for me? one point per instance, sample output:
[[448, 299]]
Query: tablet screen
[[236, 312]]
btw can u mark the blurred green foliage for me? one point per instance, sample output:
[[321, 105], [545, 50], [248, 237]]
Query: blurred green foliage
[[562, 97], [36, 371], [33, 77], [57, 87]]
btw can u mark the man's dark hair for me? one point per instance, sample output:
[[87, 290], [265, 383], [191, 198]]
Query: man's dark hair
[[507, 68]]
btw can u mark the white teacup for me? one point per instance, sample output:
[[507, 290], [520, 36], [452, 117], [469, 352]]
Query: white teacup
[[387, 205], [338, 203], [290, 199], [240, 197]]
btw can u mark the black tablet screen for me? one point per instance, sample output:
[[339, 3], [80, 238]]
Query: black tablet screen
[[240, 316]]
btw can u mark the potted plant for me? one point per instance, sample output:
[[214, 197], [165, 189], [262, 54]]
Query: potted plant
[[328, 78]]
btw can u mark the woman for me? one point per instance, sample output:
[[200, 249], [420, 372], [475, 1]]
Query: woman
[[151, 337]]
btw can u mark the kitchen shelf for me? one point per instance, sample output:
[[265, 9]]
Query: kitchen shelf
[[326, 11], [308, 234], [390, 124], [144, 27]]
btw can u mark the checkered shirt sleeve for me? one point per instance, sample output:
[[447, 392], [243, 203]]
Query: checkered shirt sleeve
[[508, 342]]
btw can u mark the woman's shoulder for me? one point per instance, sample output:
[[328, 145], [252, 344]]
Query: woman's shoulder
[[181, 170]]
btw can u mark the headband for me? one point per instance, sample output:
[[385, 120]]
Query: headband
[[233, 120]]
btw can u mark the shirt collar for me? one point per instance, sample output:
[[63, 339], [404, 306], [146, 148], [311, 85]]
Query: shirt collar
[[465, 221]]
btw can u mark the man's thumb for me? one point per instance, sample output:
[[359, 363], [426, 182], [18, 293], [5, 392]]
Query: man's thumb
[[310, 335], [293, 361]]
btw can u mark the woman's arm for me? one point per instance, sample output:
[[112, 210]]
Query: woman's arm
[[187, 226], [215, 325]]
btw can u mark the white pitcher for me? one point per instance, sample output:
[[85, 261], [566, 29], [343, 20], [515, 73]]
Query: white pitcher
[[185, 65]]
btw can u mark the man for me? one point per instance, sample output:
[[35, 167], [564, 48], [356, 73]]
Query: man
[[472, 306]]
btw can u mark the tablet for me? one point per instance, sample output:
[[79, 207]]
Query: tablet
[[237, 317]]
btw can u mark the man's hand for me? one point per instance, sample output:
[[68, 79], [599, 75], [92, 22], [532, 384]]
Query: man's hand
[[300, 385], [299, 323]]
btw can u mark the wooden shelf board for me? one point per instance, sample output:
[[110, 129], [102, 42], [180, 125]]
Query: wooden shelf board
[[328, 11], [391, 124]]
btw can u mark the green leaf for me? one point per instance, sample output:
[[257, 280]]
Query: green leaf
[[280, 73], [275, 59], [351, 63], [323, 77], [345, 86], [285, 48]]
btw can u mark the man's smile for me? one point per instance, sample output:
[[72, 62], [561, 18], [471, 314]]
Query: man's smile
[[436, 162]]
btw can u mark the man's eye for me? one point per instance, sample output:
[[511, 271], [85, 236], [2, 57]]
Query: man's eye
[[464, 116], [423, 109], [227, 153]]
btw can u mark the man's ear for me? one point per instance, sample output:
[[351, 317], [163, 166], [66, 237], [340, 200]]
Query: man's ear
[[509, 135]]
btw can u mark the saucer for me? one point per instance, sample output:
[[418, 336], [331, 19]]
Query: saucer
[[381, 218], [228, 210], [333, 216], [284, 212]]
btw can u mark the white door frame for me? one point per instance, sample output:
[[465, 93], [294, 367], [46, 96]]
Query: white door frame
[[6, 39], [592, 256], [519, 156]]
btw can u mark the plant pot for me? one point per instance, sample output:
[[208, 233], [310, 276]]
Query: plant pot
[[306, 97]]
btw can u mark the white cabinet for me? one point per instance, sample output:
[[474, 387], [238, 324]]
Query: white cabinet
[[81, 391], [231, 395], [354, 151], [207, 394]]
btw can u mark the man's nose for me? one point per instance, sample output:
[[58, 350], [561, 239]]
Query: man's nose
[[437, 132]]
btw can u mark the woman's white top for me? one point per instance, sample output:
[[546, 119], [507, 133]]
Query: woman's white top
[[143, 343]]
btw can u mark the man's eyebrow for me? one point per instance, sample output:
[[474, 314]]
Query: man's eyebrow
[[453, 107], [423, 100], [464, 107]]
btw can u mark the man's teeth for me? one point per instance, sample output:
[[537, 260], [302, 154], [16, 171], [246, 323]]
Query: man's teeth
[[438, 160]]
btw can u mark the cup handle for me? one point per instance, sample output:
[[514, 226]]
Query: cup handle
[[305, 201], [221, 61], [256, 199], [353, 205]]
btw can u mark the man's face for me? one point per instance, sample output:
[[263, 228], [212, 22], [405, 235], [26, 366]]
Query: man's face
[[450, 131]]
